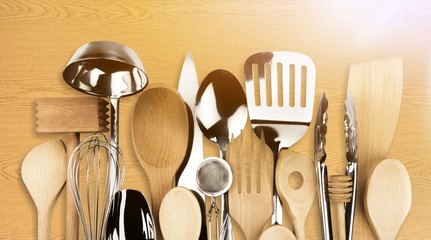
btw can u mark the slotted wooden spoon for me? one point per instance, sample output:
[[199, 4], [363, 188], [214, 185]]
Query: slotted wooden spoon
[[44, 174], [377, 89], [297, 197], [160, 133]]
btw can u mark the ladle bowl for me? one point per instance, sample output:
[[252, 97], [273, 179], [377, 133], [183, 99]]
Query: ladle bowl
[[105, 69]]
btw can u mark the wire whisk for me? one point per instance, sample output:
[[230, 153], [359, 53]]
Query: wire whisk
[[94, 180]]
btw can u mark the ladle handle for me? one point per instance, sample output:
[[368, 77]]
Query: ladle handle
[[113, 161], [72, 219]]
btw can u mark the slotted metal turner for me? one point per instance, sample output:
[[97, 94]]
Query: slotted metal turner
[[280, 90]]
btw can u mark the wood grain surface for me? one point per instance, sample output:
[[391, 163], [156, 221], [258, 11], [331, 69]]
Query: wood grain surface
[[39, 36]]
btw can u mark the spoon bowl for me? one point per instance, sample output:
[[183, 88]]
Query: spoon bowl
[[129, 217], [180, 215], [221, 108]]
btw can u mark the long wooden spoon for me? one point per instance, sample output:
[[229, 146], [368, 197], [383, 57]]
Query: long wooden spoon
[[160, 133], [377, 89], [388, 198], [295, 179], [44, 174]]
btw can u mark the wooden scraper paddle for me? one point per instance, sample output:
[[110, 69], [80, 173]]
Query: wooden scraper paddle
[[72, 115], [377, 88]]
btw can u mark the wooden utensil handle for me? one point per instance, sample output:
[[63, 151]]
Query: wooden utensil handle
[[44, 225], [299, 229], [72, 220], [341, 222], [159, 186]]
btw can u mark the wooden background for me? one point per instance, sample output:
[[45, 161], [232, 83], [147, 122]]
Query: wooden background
[[37, 38]]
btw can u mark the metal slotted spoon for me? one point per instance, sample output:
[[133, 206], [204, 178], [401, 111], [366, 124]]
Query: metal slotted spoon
[[270, 79]]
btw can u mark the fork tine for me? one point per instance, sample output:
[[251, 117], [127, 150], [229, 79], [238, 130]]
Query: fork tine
[[252, 177]]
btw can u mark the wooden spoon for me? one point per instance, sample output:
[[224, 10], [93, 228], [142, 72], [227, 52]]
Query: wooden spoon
[[44, 174], [377, 89], [297, 196], [277, 232], [388, 198], [180, 215], [160, 131]]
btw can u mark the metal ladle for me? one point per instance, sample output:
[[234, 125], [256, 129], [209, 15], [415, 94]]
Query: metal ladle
[[221, 113], [106, 69]]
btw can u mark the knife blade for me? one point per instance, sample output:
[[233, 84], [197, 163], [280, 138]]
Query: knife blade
[[188, 87]]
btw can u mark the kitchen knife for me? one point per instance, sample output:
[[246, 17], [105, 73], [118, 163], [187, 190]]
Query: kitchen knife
[[188, 87]]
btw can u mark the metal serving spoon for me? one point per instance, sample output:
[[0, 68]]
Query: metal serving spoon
[[221, 113]]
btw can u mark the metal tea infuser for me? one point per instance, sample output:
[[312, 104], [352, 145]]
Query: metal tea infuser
[[214, 178]]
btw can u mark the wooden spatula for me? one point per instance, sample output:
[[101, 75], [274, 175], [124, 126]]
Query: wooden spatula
[[377, 89], [160, 131], [297, 196], [71, 116], [388, 198], [44, 174], [251, 191]]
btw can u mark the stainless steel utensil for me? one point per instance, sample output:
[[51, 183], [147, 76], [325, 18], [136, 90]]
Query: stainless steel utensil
[[320, 130], [270, 77], [129, 217], [221, 113], [351, 168], [90, 175], [188, 88], [106, 69], [214, 178], [351, 133]]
